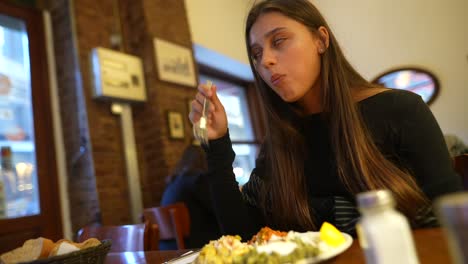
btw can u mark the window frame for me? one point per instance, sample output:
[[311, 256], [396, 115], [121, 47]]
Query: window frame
[[255, 111]]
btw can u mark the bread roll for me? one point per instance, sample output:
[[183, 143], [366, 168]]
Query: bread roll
[[91, 242], [67, 241], [31, 250], [40, 248], [63, 247]]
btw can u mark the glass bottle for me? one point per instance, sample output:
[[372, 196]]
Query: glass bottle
[[384, 233], [8, 176], [2, 198], [452, 211]]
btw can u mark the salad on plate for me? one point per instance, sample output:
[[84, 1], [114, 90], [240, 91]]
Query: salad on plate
[[272, 246]]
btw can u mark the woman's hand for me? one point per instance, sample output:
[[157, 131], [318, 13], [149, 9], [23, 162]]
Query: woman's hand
[[217, 120]]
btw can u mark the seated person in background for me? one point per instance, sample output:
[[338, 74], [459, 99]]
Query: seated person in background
[[455, 145], [189, 184], [329, 134]]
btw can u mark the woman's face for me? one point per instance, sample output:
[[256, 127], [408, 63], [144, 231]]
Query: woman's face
[[286, 55]]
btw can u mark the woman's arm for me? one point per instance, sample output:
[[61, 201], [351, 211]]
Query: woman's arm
[[424, 150], [234, 214]]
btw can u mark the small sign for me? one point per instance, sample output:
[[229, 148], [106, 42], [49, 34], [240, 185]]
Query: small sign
[[117, 75]]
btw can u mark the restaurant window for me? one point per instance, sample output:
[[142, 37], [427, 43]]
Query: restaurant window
[[18, 175], [234, 97]]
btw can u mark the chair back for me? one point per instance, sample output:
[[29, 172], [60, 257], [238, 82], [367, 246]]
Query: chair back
[[461, 166], [173, 222], [124, 237]]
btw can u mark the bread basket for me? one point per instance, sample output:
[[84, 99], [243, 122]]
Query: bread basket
[[92, 255]]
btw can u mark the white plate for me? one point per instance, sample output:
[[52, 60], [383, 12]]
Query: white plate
[[331, 252]]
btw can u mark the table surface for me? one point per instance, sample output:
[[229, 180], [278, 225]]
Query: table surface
[[431, 246]]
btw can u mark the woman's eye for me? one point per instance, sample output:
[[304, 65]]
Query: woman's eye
[[256, 55], [278, 41]]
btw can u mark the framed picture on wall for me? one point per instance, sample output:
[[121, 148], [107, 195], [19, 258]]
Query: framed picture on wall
[[174, 63], [176, 125]]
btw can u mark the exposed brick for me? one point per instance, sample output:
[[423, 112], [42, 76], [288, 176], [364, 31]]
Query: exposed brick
[[97, 180]]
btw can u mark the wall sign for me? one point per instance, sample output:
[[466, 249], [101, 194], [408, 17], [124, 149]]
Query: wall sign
[[117, 75]]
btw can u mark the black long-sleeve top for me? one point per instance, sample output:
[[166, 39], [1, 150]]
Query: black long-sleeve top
[[404, 130]]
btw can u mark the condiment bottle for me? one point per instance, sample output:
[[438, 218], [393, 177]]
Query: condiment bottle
[[384, 233]]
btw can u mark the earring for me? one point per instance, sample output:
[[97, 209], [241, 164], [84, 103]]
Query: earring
[[321, 47]]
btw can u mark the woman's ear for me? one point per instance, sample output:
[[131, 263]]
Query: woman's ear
[[324, 38]]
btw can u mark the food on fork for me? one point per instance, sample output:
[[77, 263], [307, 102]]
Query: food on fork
[[200, 129]]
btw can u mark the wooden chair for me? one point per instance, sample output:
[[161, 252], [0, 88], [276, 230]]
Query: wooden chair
[[124, 237], [173, 222], [461, 166]]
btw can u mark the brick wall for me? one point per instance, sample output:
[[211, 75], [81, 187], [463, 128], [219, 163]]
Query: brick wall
[[157, 153], [94, 27], [97, 179], [81, 177]]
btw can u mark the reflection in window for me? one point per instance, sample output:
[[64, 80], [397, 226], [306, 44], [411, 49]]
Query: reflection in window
[[18, 174], [415, 80], [233, 97]]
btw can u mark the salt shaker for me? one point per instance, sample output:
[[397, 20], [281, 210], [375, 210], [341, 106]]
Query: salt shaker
[[384, 233]]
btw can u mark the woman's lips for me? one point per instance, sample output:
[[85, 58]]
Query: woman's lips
[[276, 78]]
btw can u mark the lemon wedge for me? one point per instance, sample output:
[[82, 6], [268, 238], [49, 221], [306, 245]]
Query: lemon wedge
[[330, 235]]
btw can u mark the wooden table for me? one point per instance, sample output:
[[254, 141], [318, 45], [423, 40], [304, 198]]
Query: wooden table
[[430, 243]]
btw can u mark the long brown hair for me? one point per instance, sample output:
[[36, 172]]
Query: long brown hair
[[360, 164], [192, 162]]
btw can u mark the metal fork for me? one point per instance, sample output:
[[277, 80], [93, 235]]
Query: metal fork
[[200, 128]]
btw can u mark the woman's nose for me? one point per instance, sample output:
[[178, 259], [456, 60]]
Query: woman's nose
[[268, 58]]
